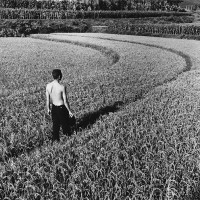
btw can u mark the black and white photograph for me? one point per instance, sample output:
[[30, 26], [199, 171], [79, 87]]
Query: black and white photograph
[[99, 99]]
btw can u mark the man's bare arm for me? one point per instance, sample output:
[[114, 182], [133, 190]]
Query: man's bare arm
[[66, 103], [48, 101]]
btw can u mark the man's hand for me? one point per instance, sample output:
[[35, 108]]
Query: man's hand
[[49, 111], [71, 114]]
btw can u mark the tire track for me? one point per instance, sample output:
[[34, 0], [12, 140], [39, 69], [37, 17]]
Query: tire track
[[186, 57], [112, 55], [115, 58]]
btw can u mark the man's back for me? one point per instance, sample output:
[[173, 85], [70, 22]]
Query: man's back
[[55, 91], [60, 109]]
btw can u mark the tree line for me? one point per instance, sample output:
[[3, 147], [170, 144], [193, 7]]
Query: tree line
[[93, 5]]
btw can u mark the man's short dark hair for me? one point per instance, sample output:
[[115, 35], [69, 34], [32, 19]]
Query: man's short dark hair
[[56, 73]]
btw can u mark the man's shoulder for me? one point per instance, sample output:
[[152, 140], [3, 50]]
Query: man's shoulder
[[62, 86], [48, 85]]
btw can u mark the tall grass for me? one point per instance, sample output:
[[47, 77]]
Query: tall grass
[[143, 143]]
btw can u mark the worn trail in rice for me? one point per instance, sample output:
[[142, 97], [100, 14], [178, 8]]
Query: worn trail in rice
[[105, 43], [138, 115]]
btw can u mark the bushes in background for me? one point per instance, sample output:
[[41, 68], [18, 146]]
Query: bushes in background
[[160, 26], [18, 28], [101, 5], [173, 30], [62, 14]]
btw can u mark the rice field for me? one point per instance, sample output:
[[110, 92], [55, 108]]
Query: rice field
[[136, 102]]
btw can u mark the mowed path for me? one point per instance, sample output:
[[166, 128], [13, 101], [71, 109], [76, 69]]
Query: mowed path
[[189, 47], [124, 45]]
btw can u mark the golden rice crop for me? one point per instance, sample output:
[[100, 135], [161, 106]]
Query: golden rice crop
[[141, 141], [189, 47]]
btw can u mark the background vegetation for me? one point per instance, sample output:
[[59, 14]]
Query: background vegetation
[[175, 31], [190, 2], [94, 5], [20, 28]]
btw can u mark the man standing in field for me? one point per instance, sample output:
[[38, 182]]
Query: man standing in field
[[60, 107]]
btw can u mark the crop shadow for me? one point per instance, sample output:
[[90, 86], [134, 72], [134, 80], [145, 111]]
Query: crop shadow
[[90, 118]]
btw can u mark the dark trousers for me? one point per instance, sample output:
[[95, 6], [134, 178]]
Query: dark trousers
[[60, 117]]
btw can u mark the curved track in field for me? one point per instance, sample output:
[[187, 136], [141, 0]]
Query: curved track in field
[[110, 53], [159, 139], [114, 56], [185, 56], [188, 48], [176, 47]]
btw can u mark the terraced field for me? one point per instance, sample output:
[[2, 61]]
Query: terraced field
[[136, 101]]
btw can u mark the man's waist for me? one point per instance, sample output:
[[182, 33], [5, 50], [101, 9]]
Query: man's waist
[[57, 106]]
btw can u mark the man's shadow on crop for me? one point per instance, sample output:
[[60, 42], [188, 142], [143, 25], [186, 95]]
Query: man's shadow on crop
[[88, 119]]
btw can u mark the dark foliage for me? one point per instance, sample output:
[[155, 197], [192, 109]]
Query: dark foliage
[[69, 14], [18, 28]]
